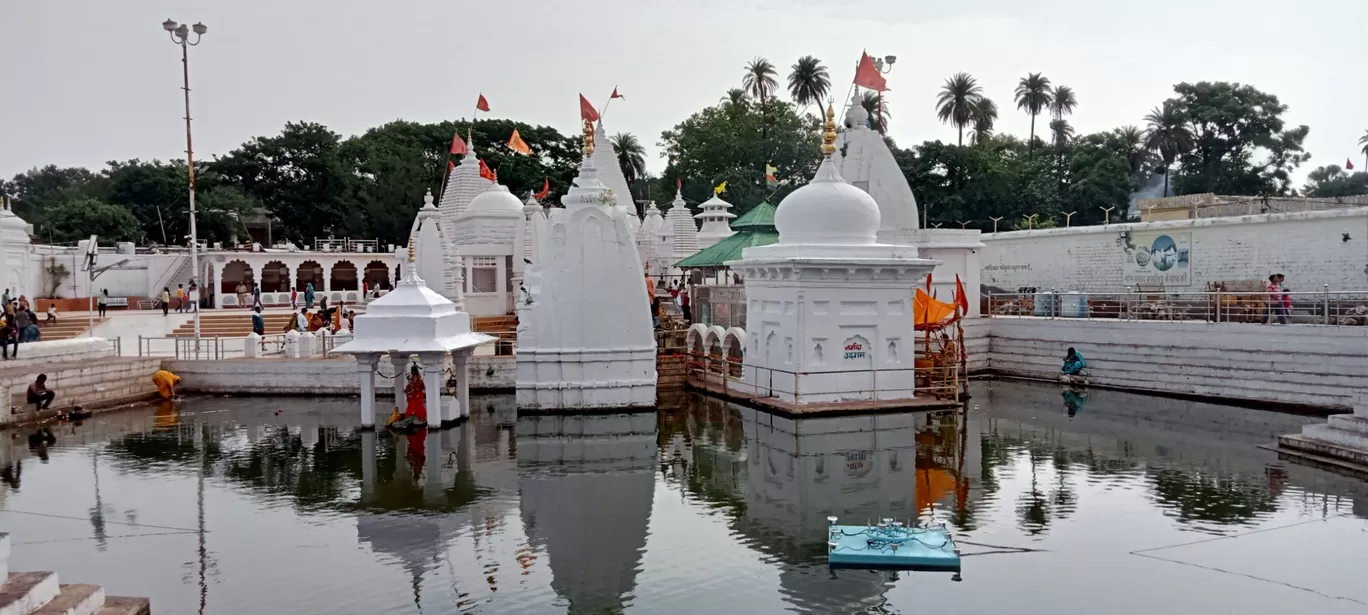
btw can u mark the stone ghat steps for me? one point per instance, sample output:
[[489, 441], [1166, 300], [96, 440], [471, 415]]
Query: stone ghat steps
[[232, 325], [64, 328], [40, 593]]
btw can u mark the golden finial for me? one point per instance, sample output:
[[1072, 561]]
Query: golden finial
[[588, 138], [829, 136], [411, 255]]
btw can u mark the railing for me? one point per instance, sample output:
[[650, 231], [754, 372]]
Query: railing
[[725, 374], [347, 245], [1344, 308], [216, 348]]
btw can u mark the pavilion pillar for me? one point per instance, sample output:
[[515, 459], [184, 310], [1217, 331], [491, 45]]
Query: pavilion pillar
[[461, 366], [367, 465], [365, 372], [432, 379], [400, 364]]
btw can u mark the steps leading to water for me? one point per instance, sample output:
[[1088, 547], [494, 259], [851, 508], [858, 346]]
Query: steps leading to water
[[109, 381], [65, 328], [40, 593]]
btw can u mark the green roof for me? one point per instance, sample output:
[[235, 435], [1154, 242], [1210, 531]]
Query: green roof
[[729, 249], [759, 218]]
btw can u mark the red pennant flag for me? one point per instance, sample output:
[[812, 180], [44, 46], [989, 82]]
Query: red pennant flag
[[615, 94], [960, 298], [482, 104], [546, 188], [458, 145], [451, 166], [679, 183], [928, 282], [868, 76], [1348, 164], [487, 172], [587, 111]]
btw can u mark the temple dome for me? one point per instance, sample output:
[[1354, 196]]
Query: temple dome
[[827, 211], [496, 198], [857, 115]]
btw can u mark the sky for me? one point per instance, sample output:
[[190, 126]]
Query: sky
[[87, 81]]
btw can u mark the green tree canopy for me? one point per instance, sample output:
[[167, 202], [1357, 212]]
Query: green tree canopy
[[78, 219], [1332, 181], [1240, 144]]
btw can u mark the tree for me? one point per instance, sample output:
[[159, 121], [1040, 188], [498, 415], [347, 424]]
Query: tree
[[79, 218], [759, 79], [1132, 142], [1168, 134], [1062, 132], [1033, 97], [156, 193], [955, 105], [877, 108], [1230, 124], [1062, 102], [220, 214], [37, 190], [984, 116], [631, 155], [725, 143], [1364, 142], [1332, 181], [808, 82]]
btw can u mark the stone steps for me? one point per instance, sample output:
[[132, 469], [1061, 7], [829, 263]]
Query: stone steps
[[109, 382], [40, 593]]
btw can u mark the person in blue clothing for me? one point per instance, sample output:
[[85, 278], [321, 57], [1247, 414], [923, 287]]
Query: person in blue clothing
[[1073, 363]]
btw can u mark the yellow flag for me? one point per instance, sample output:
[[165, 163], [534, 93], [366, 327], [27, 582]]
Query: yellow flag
[[516, 143], [722, 187]]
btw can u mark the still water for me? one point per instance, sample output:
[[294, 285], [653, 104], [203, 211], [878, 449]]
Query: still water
[[1105, 503]]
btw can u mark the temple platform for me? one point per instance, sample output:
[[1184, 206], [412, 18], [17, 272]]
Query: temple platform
[[1339, 445], [892, 547], [790, 409]]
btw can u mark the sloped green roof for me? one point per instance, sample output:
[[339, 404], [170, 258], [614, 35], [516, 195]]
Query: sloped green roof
[[759, 218], [729, 249]]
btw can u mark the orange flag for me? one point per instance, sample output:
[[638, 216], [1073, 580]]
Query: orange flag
[[587, 110], [546, 188], [517, 144], [961, 298], [458, 145], [482, 104], [487, 172], [868, 76]]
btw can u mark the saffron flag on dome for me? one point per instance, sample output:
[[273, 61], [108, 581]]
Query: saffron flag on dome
[[770, 180], [517, 144], [487, 172], [1348, 164], [458, 145], [587, 111], [615, 94], [722, 187], [546, 188], [482, 104], [868, 76]]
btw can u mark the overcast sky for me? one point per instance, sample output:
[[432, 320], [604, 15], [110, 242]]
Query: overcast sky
[[86, 81]]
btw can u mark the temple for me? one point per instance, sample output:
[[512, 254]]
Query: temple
[[610, 173], [585, 333], [487, 234], [463, 184], [434, 247], [828, 305], [683, 241], [715, 219], [865, 161]]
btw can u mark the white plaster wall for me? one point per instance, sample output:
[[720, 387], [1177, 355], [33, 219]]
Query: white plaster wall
[[1309, 247], [315, 376], [1301, 364]]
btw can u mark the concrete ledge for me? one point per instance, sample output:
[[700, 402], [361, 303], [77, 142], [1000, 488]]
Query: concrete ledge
[[317, 376]]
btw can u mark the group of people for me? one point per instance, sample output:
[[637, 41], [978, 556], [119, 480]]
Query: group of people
[[679, 294], [330, 319], [183, 299], [18, 324]]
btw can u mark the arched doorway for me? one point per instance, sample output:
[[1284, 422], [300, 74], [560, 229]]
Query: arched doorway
[[233, 273], [309, 272], [377, 275], [275, 277], [343, 276]]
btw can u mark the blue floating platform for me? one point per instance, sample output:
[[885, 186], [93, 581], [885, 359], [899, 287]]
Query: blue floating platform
[[892, 547]]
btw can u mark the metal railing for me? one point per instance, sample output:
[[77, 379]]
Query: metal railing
[[1343, 308], [216, 348], [713, 371]]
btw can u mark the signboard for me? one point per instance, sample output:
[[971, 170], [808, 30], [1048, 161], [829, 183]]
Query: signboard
[[855, 350], [1157, 258]]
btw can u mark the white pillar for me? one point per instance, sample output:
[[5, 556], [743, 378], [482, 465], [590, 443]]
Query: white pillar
[[461, 366], [365, 372], [432, 377], [251, 346], [400, 363], [308, 345], [292, 344]]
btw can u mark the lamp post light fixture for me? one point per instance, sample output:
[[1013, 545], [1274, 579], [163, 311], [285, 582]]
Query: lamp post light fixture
[[885, 66], [180, 35]]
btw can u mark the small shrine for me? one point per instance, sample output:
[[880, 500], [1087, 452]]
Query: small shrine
[[715, 221], [488, 234], [463, 184], [434, 246], [684, 242], [864, 160], [413, 325], [650, 241]]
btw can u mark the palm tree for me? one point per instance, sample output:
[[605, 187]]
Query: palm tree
[[735, 96], [631, 155], [1062, 102], [1168, 134], [808, 83], [878, 111], [955, 104], [984, 115], [1132, 141], [760, 79], [1062, 132], [1364, 142], [1033, 96]]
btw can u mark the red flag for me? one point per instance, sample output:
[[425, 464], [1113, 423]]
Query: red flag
[[451, 166], [868, 76], [482, 104], [1348, 164], [487, 172], [587, 111], [960, 298], [679, 183], [546, 188], [928, 282], [615, 94], [458, 145]]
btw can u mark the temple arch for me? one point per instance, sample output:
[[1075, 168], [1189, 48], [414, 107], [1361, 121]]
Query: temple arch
[[275, 277], [734, 345], [309, 272], [694, 339], [377, 275], [234, 272], [342, 276]]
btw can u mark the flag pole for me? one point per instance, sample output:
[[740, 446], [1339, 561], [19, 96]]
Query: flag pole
[[605, 105]]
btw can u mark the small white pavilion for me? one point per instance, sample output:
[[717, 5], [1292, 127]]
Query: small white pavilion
[[413, 323], [716, 222], [487, 233]]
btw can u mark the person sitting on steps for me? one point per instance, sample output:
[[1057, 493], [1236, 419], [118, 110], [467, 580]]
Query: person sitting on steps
[[1073, 363], [39, 394]]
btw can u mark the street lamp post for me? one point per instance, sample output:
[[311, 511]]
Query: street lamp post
[[880, 63], [180, 35]]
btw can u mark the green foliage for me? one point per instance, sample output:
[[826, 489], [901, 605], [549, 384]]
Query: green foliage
[[876, 105], [731, 142], [760, 79], [1033, 95], [1231, 123], [57, 273], [809, 83], [956, 102], [631, 156], [77, 219], [1333, 181]]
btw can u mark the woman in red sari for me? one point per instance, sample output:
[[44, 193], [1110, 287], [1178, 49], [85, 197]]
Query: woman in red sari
[[416, 393]]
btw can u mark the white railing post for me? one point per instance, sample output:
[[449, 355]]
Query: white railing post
[[1327, 304]]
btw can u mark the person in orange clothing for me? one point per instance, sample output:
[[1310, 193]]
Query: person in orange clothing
[[166, 383]]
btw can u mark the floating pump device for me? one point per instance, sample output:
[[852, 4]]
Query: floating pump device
[[891, 545]]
